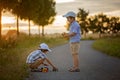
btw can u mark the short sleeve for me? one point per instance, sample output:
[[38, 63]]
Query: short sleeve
[[75, 29], [42, 55]]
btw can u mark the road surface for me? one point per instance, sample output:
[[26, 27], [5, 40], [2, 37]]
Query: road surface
[[94, 65]]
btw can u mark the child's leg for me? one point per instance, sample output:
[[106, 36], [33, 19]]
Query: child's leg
[[36, 63], [76, 61], [75, 50]]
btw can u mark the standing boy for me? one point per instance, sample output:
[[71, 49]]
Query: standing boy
[[74, 35]]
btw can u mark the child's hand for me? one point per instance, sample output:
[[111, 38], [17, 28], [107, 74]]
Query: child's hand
[[65, 35]]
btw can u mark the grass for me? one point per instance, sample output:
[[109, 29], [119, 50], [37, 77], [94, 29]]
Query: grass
[[110, 46], [13, 60]]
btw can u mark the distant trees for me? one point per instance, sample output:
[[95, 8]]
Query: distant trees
[[41, 12], [82, 20], [105, 24], [114, 24], [100, 23], [47, 17], [25, 9]]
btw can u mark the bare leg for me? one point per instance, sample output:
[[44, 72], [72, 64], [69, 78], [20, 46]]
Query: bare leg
[[36, 63], [76, 61]]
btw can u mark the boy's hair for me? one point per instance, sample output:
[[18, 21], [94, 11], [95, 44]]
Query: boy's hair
[[72, 17], [43, 50]]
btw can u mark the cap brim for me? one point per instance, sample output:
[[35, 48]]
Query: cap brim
[[49, 50], [65, 16], [68, 16]]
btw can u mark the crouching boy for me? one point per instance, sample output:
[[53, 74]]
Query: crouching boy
[[38, 57]]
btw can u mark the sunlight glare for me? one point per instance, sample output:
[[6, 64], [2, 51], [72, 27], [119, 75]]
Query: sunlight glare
[[6, 20], [64, 1], [59, 21]]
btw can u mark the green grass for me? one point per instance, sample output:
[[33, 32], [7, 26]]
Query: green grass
[[13, 60], [110, 46]]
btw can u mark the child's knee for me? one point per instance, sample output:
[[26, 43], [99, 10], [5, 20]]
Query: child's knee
[[41, 60]]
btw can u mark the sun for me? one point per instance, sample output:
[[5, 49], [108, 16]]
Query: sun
[[6, 20]]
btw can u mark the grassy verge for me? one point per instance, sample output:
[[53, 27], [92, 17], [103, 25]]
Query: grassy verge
[[110, 46], [12, 60]]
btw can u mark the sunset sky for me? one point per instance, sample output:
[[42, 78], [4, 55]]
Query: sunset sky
[[109, 7]]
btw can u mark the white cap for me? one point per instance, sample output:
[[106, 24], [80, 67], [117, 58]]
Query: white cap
[[44, 46], [70, 13]]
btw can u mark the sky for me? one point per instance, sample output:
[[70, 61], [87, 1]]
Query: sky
[[94, 6], [109, 7]]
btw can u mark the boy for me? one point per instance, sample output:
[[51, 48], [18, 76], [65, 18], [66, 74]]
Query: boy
[[38, 57], [74, 39]]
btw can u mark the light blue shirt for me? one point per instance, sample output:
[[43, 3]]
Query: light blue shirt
[[75, 27]]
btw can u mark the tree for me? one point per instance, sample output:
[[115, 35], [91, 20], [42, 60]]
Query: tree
[[114, 24], [82, 20], [47, 17], [92, 23], [102, 23], [5, 5], [17, 9], [27, 9]]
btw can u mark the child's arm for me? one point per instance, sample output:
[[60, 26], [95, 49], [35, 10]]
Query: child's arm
[[49, 62], [68, 35]]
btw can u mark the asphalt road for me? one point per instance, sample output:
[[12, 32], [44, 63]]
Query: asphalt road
[[94, 65]]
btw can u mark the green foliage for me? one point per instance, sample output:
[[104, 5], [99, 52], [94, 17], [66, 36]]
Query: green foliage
[[88, 38], [7, 4], [110, 46], [47, 17], [114, 24], [99, 23], [41, 12], [81, 18]]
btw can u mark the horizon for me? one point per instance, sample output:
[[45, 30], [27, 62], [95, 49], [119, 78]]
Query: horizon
[[110, 8]]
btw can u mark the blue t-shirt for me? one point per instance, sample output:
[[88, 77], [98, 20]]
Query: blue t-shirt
[[75, 27]]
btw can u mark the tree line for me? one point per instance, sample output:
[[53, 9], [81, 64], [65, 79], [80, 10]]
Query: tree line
[[41, 12], [99, 23]]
